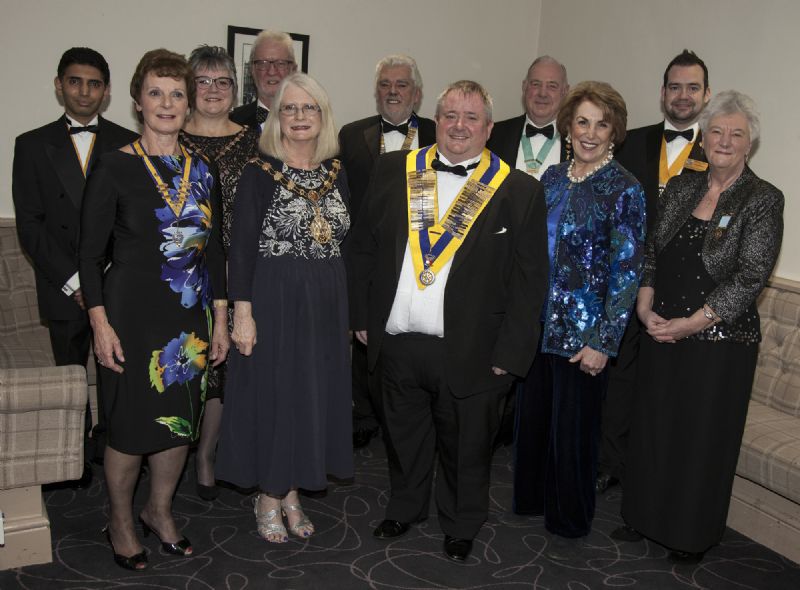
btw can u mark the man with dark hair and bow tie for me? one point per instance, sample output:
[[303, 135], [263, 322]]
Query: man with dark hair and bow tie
[[654, 154], [398, 93], [531, 142], [50, 168], [271, 60], [449, 271]]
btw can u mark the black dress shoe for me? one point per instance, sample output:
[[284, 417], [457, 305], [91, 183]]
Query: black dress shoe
[[389, 529], [626, 533], [457, 549], [686, 557], [362, 436], [604, 481]]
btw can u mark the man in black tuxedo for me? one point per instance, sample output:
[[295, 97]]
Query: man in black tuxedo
[[50, 168], [271, 60], [531, 142], [654, 154], [450, 269], [398, 93]]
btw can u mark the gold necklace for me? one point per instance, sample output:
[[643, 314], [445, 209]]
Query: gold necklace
[[319, 228], [175, 200]]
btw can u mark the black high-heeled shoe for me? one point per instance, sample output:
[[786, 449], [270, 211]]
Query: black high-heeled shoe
[[182, 547], [207, 493], [135, 563]]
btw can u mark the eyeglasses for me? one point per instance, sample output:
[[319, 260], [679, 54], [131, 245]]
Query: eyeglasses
[[263, 65], [291, 110], [223, 83]]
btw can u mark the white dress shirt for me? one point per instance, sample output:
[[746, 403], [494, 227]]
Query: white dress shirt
[[82, 141], [675, 147], [393, 140], [422, 310]]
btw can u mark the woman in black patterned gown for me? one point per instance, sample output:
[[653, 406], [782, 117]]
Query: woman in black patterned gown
[[287, 417], [211, 134]]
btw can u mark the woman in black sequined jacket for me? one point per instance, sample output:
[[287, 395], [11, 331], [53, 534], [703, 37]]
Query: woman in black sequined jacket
[[715, 242]]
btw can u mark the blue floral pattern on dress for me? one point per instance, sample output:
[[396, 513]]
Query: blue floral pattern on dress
[[185, 237]]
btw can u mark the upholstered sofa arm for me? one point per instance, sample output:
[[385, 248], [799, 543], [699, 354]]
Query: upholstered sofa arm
[[41, 425]]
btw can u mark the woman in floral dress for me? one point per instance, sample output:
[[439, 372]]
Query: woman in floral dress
[[151, 210]]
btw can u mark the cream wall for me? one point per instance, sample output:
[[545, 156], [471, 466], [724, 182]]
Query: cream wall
[[748, 45], [451, 39]]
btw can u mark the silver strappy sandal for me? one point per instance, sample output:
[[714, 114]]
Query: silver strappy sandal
[[269, 523]]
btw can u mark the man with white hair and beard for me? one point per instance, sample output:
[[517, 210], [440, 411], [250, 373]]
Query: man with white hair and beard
[[398, 93]]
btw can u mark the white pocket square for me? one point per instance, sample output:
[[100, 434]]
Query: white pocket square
[[502, 230]]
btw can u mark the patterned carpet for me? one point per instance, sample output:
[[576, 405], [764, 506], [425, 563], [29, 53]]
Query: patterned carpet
[[511, 552]]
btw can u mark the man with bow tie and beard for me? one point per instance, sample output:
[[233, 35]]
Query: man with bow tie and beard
[[51, 164], [653, 154], [449, 272], [530, 142], [398, 93]]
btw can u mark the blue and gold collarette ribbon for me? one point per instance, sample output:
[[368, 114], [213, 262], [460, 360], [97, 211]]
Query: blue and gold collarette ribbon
[[433, 242], [174, 198]]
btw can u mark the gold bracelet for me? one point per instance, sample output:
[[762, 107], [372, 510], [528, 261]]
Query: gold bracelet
[[709, 313], [220, 303]]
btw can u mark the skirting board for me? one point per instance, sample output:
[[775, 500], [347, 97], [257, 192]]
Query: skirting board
[[765, 517]]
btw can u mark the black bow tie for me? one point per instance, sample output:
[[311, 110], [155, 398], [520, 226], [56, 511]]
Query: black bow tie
[[261, 115], [531, 130], [387, 127], [687, 134], [87, 129], [458, 169]]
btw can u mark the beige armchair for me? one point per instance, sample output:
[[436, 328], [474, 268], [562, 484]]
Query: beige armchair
[[41, 413]]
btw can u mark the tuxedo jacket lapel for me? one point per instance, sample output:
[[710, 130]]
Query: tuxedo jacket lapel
[[372, 139], [61, 153]]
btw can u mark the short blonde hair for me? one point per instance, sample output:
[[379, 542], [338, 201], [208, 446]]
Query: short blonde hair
[[271, 142], [467, 88]]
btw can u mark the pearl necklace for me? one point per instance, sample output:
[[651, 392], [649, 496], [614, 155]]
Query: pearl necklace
[[578, 179]]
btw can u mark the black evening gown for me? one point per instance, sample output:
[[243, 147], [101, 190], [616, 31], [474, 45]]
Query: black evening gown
[[688, 421], [166, 268], [287, 417], [229, 153]]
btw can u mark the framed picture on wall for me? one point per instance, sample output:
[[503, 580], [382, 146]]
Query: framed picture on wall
[[240, 42]]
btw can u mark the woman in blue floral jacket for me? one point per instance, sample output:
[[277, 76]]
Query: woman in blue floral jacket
[[596, 230]]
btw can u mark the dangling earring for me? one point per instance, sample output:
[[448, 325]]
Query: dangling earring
[[568, 150], [610, 147]]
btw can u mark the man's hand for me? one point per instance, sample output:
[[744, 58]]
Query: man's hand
[[77, 295]]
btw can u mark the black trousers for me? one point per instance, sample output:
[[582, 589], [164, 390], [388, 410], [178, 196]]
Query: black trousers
[[422, 417], [618, 402], [555, 445], [366, 400], [70, 342]]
